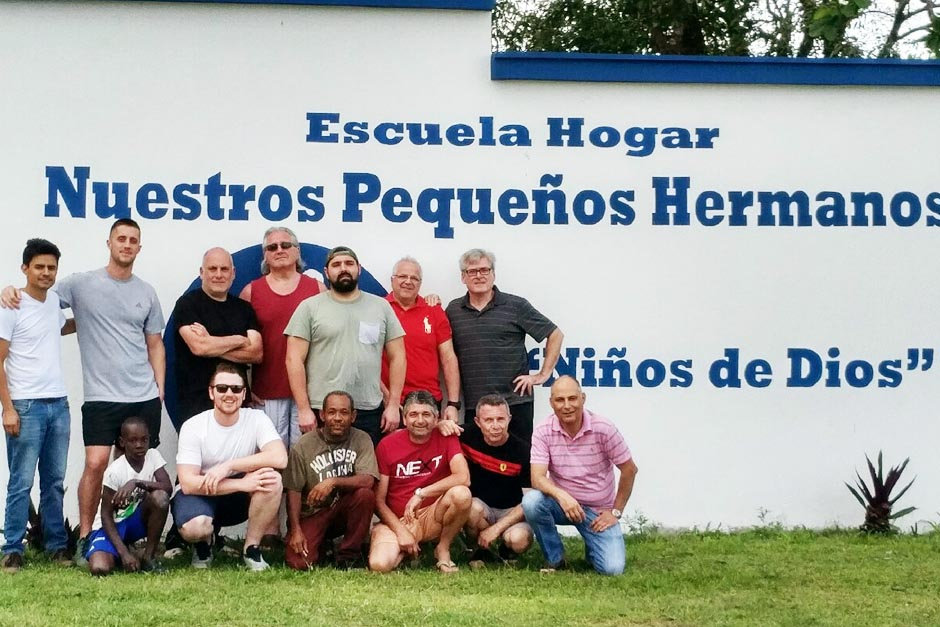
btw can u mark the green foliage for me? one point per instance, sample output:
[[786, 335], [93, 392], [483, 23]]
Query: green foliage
[[877, 500]]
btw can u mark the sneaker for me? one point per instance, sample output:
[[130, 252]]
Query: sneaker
[[253, 559], [81, 547], [153, 567], [12, 562], [202, 555], [61, 557]]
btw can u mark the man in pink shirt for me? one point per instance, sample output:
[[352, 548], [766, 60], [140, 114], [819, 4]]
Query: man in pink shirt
[[573, 457]]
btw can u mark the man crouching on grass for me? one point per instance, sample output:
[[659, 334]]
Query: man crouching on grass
[[135, 498], [228, 461], [422, 493]]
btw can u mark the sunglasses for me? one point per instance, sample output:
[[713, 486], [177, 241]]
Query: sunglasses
[[221, 388], [283, 245]]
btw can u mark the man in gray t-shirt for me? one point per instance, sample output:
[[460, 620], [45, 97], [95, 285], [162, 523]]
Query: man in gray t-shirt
[[335, 342], [118, 320]]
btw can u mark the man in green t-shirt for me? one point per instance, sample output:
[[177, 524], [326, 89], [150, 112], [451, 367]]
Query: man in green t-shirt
[[329, 482], [335, 342]]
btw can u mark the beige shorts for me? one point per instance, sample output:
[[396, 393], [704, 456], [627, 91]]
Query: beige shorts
[[424, 527]]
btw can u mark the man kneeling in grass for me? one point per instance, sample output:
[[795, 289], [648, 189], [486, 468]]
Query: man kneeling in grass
[[135, 499], [422, 493]]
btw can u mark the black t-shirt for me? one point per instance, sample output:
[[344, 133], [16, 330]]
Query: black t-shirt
[[497, 473], [232, 317]]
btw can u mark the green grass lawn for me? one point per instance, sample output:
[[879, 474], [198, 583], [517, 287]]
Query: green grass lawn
[[760, 577]]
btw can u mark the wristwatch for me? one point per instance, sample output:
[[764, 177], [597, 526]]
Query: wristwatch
[[418, 493], [616, 512], [455, 404]]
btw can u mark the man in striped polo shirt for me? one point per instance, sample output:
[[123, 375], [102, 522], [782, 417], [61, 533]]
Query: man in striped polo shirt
[[573, 457], [489, 330]]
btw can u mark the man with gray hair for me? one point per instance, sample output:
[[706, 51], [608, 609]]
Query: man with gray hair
[[211, 326], [274, 297], [490, 328], [428, 345]]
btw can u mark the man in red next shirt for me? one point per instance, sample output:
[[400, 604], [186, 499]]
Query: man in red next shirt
[[274, 297], [428, 345], [423, 491]]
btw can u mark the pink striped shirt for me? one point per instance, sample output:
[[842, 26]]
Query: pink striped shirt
[[583, 465]]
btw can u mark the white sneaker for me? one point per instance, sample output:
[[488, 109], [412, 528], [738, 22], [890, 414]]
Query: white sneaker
[[255, 564], [205, 560]]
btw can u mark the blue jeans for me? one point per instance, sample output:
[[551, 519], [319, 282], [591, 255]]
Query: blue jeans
[[606, 550], [43, 439]]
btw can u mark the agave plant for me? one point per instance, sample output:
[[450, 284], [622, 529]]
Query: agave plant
[[878, 501]]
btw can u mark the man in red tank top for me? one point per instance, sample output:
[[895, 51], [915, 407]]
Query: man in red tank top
[[274, 297]]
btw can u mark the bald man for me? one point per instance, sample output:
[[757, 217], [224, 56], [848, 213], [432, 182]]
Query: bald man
[[211, 326], [574, 453]]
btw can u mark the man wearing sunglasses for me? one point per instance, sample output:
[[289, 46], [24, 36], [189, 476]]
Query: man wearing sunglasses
[[490, 328], [211, 325], [274, 297], [227, 461]]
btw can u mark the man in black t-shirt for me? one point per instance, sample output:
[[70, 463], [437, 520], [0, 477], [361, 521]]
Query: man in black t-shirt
[[211, 325], [499, 470]]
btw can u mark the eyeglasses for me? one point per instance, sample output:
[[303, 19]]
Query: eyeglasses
[[478, 271], [221, 388], [407, 277], [284, 246]]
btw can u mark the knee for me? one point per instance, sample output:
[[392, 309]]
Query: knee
[[98, 565], [198, 529], [95, 465], [382, 561], [460, 496], [158, 500], [476, 510], [276, 486], [609, 567], [518, 539], [532, 501], [363, 496]]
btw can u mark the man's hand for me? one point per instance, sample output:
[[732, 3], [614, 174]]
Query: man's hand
[[11, 422], [449, 427], [605, 520], [487, 536], [432, 300], [391, 418], [571, 507], [10, 298], [298, 542], [320, 494], [524, 383], [212, 477], [123, 495], [451, 413], [130, 562], [260, 480], [407, 543], [306, 420], [411, 507]]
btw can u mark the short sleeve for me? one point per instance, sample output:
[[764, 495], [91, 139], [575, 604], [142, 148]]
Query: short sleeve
[[381, 457], [533, 322], [293, 475], [156, 461], [452, 447], [299, 325], [265, 433], [393, 328], [617, 450], [188, 449], [366, 463], [7, 322], [154, 323], [442, 328], [113, 477], [184, 313], [539, 452], [253, 324], [63, 288]]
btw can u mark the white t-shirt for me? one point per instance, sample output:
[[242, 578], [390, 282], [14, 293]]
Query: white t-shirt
[[34, 363], [203, 442], [120, 472]]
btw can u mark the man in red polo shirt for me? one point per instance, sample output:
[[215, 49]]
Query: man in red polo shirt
[[428, 345]]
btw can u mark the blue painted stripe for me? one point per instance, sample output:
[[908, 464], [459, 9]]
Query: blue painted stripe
[[616, 68], [470, 5]]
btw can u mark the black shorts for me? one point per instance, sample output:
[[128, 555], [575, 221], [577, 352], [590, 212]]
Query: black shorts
[[101, 420], [225, 511]]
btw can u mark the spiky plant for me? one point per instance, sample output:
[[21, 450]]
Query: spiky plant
[[877, 501]]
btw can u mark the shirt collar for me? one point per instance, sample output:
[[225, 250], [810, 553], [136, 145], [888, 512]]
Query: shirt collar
[[419, 302], [587, 425], [498, 299]]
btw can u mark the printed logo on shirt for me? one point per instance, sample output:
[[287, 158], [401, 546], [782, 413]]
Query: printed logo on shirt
[[416, 468], [339, 462], [427, 325]]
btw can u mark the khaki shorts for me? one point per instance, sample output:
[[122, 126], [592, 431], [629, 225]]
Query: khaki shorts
[[424, 527]]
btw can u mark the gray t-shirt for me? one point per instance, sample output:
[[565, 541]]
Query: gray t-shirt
[[112, 319], [346, 342]]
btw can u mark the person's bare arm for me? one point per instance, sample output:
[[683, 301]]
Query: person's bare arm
[[156, 355], [459, 475], [128, 560], [543, 483], [406, 539], [201, 344], [245, 294], [451, 377], [250, 354], [491, 533], [11, 418], [526, 382], [69, 327], [296, 363], [606, 518], [395, 350]]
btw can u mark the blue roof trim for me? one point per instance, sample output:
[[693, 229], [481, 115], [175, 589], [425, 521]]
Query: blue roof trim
[[470, 5], [629, 68]]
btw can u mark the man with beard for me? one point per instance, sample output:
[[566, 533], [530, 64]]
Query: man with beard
[[329, 482], [335, 342], [211, 325], [274, 297]]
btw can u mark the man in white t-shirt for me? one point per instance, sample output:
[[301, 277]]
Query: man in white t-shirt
[[35, 405], [135, 499], [227, 462]]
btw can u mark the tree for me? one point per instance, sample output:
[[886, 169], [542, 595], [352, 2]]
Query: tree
[[798, 28]]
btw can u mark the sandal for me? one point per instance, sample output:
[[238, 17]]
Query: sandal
[[448, 567]]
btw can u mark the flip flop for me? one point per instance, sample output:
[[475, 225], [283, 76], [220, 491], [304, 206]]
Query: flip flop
[[448, 567]]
